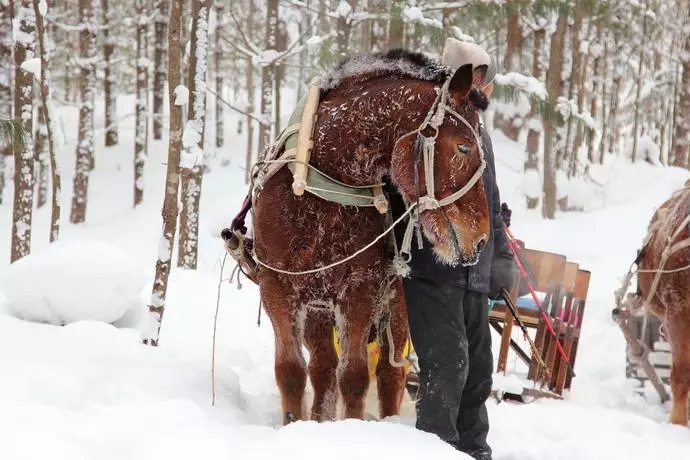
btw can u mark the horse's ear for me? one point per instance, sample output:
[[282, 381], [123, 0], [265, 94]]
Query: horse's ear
[[460, 83], [479, 74]]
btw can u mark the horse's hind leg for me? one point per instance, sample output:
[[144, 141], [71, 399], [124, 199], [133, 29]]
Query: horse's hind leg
[[354, 320], [390, 380], [290, 368], [323, 361], [679, 338]]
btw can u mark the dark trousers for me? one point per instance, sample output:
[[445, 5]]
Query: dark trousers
[[449, 327]]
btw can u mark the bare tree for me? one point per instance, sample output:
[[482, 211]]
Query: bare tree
[[159, 57], [249, 76], [46, 103], [193, 137], [141, 117], [85, 144], [109, 78], [172, 180], [22, 212]]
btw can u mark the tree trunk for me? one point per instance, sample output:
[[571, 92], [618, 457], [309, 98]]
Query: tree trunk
[[640, 68], [5, 81], [48, 113], [682, 131], [141, 121], [268, 75], [193, 139], [109, 77], [396, 30], [553, 86], [596, 88], [534, 132], [511, 63], [41, 153], [218, 59], [249, 75], [172, 179], [85, 145], [22, 211], [159, 57]]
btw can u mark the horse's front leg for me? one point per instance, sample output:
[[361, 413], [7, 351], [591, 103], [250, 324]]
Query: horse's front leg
[[354, 319], [390, 379]]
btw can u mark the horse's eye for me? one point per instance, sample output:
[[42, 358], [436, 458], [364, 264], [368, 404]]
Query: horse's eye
[[464, 149]]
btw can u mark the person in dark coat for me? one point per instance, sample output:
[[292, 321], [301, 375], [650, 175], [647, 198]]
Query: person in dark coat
[[448, 309]]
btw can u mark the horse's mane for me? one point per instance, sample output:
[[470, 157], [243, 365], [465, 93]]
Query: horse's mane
[[396, 63]]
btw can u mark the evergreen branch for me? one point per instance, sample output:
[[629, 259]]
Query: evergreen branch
[[12, 134]]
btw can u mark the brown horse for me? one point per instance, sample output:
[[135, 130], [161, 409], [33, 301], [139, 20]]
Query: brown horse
[[375, 112], [667, 285]]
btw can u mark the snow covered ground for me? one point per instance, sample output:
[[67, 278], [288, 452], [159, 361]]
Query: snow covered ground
[[90, 390]]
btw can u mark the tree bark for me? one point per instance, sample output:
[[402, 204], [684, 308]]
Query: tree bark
[[41, 154], [85, 144], [268, 75], [159, 74], [553, 86], [141, 121], [22, 211], [534, 132], [249, 75], [193, 139], [5, 80], [681, 142], [218, 59], [172, 179], [638, 92], [49, 122], [109, 78]]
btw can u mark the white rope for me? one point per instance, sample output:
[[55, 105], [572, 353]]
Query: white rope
[[342, 261]]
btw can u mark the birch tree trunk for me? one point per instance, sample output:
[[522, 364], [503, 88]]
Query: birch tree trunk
[[49, 122], [85, 144], [268, 75], [193, 138], [141, 115], [109, 78], [22, 211], [159, 73], [5, 81], [681, 141], [249, 75], [218, 59], [172, 179]]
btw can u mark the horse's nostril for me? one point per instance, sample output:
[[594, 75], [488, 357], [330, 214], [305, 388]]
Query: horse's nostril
[[481, 244]]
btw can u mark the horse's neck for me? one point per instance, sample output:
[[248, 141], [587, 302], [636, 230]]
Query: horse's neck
[[355, 142]]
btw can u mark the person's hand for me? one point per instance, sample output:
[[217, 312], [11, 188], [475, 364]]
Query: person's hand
[[503, 271], [506, 214]]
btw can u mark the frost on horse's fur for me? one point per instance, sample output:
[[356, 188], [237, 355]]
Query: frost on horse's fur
[[367, 104]]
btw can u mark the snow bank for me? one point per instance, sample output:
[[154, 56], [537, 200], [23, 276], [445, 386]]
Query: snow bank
[[72, 281]]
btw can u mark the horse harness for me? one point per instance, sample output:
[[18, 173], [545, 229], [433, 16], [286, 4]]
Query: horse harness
[[631, 305]]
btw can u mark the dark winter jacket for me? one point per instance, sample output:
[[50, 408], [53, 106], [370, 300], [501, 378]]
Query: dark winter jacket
[[496, 255]]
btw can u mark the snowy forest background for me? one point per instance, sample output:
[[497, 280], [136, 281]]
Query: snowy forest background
[[580, 82]]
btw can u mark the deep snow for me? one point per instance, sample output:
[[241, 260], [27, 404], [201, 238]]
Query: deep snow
[[90, 390]]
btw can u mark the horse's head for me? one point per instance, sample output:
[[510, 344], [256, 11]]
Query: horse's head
[[453, 213]]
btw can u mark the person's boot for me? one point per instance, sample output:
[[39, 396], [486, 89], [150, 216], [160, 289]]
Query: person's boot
[[481, 454]]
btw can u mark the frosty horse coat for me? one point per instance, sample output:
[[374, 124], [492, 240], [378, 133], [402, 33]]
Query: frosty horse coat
[[374, 114], [663, 278]]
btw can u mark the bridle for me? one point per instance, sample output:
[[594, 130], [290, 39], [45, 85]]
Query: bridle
[[425, 149]]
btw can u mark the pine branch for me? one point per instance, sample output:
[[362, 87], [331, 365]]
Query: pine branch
[[12, 134]]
